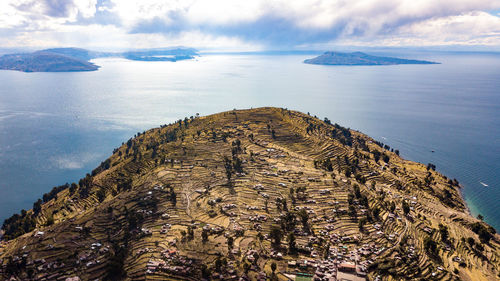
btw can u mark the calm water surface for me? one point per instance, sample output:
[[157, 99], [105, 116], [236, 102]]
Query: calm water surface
[[55, 127]]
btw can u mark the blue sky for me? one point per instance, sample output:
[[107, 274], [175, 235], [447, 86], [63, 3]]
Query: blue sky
[[249, 24]]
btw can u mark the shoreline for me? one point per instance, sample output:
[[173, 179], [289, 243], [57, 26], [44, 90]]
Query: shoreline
[[462, 195]]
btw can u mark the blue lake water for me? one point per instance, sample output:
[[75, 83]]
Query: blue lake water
[[55, 127]]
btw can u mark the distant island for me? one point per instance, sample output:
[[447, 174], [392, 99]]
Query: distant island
[[359, 58], [77, 59], [44, 61], [175, 54]]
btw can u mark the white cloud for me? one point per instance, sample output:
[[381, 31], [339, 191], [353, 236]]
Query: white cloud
[[215, 12], [87, 8], [109, 37], [475, 28], [202, 23], [34, 15], [313, 13], [74, 161], [359, 21], [9, 15]]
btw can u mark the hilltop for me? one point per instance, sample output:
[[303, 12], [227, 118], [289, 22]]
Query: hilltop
[[252, 194], [359, 58], [78, 53]]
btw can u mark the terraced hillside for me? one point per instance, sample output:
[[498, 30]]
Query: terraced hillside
[[260, 194]]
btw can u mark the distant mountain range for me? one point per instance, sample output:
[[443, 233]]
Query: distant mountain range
[[359, 58], [76, 59]]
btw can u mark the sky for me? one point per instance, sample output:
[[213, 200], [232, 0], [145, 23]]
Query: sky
[[249, 24]]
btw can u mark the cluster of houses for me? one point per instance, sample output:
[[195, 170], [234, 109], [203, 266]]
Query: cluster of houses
[[343, 261], [90, 258], [228, 272], [276, 255], [44, 270], [213, 229], [225, 209], [330, 269], [251, 255], [250, 208], [171, 262], [258, 187], [272, 174], [146, 231], [325, 271], [143, 250], [165, 228], [272, 150], [258, 218], [324, 191], [238, 229], [42, 265]]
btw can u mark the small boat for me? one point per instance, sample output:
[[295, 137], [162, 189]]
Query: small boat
[[432, 151], [485, 185]]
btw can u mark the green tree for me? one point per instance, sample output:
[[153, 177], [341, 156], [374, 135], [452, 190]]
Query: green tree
[[114, 268], [101, 194], [292, 246], [37, 207], [443, 230], [376, 213], [406, 208], [392, 207], [218, 264], [50, 220], [361, 223], [304, 218], [273, 267], [276, 235], [352, 212], [430, 246], [229, 169], [357, 191]]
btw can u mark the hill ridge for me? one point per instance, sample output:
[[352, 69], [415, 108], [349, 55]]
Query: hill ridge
[[188, 201]]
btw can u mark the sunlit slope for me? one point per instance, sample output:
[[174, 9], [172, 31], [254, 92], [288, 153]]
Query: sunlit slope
[[220, 196]]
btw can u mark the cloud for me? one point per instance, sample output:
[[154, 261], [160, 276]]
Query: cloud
[[265, 23], [451, 29], [25, 16], [74, 161], [279, 23], [46, 9]]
